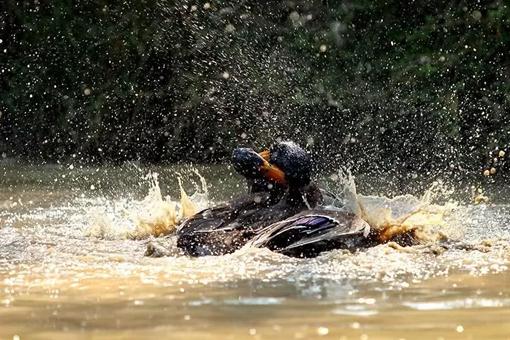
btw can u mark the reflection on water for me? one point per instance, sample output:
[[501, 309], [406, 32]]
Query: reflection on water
[[58, 281]]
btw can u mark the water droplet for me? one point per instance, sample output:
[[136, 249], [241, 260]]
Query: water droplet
[[322, 331], [230, 28], [294, 16]]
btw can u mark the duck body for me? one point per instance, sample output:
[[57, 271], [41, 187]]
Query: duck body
[[311, 232], [306, 233], [225, 228]]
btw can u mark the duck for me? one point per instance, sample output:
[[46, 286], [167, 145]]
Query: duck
[[283, 211], [279, 187]]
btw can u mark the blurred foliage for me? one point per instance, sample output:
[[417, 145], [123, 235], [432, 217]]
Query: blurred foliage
[[417, 86]]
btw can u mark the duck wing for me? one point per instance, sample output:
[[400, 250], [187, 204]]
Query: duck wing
[[312, 232], [207, 220], [224, 229], [224, 216]]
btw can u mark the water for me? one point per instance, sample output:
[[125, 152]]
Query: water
[[72, 265]]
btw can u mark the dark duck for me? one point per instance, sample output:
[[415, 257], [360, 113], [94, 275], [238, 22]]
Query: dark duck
[[283, 211]]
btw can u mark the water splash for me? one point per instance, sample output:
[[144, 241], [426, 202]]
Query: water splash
[[399, 214], [154, 215]]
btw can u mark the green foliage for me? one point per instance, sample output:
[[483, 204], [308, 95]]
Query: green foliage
[[383, 84]]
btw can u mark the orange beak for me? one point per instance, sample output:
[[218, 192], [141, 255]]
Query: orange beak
[[265, 154], [271, 172]]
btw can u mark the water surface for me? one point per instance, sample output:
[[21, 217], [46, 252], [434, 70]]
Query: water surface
[[59, 280]]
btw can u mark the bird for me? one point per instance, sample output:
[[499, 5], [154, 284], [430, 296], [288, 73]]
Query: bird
[[283, 211]]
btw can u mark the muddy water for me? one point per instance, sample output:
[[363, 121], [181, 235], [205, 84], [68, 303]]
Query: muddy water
[[60, 278]]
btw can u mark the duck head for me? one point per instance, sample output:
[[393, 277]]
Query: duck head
[[285, 168]]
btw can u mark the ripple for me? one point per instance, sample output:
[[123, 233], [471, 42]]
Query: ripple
[[457, 304]]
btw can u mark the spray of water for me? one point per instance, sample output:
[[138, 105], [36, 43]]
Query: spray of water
[[399, 214], [154, 215]]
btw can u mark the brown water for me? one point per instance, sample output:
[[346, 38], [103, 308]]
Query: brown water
[[61, 279]]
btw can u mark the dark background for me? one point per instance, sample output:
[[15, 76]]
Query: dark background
[[418, 86]]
